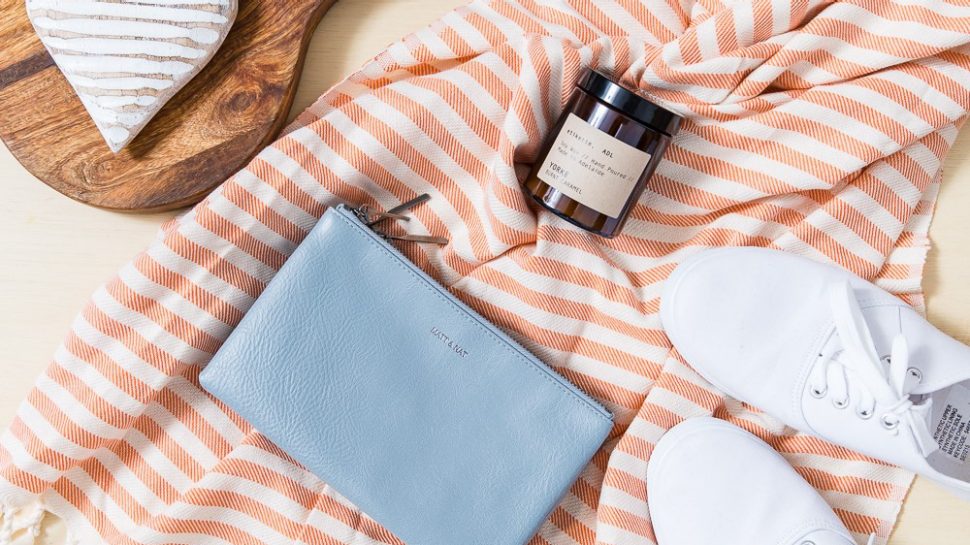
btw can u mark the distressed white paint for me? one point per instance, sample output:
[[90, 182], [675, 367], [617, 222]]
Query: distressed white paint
[[127, 58]]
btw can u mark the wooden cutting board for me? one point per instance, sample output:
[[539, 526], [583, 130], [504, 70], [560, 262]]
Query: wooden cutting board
[[208, 131]]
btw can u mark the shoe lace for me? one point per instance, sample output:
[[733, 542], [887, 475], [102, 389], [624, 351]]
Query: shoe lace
[[856, 363]]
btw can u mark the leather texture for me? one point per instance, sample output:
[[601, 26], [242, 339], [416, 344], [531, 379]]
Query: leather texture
[[431, 420]]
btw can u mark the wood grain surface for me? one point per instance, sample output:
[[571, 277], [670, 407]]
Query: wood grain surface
[[208, 131]]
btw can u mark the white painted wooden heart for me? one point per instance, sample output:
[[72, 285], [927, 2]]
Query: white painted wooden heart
[[127, 58]]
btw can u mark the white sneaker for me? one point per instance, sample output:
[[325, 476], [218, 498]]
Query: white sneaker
[[711, 482], [828, 353]]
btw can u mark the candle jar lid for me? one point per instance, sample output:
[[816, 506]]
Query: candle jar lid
[[629, 103]]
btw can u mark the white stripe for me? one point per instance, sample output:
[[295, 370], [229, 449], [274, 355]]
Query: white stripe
[[888, 107], [878, 26], [174, 302], [80, 527], [944, 7], [872, 210], [842, 123], [209, 411], [280, 504], [862, 504], [781, 17], [456, 19], [551, 321], [270, 198], [181, 2], [228, 251], [146, 328], [706, 33], [92, 377], [618, 536], [923, 156], [116, 101], [121, 83], [102, 64], [159, 462], [227, 209], [845, 51], [295, 173], [851, 468], [666, 205], [180, 15], [232, 517], [429, 38], [187, 441], [673, 402], [23, 460], [572, 292], [129, 481], [112, 27], [556, 32], [201, 277], [710, 183], [458, 233], [79, 415], [107, 115], [815, 75], [449, 167], [270, 461], [119, 353], [337, 529], [844, 236], [120, 46], [49, 435], [742, 159], [513, 33], [899, 184]]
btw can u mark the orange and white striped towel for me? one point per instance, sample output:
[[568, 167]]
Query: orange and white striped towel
[[816, 127]]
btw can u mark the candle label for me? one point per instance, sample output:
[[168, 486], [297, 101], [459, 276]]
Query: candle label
[[593, 168]]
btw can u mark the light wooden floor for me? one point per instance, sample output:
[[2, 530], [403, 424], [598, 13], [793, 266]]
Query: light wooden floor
[[56, 252]]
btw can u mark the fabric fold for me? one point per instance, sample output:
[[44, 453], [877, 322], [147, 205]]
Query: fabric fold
[[813, 127]]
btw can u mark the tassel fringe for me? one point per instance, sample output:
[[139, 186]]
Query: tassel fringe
[[22, 524]]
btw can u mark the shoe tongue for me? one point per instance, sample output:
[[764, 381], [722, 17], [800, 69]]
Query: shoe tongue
[[922, 434], [939, 360]]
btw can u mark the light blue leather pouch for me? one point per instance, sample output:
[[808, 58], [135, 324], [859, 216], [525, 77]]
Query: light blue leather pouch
[[378, 380]]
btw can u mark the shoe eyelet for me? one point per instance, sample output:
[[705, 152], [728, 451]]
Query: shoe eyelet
[[864, 414], [889, 422], [840, 403], [915, 373], [818, 393]]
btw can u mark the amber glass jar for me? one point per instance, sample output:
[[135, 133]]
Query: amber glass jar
[[596, 161]]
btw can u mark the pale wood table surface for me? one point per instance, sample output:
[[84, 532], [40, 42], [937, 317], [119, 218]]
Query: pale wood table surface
[[56, 252]]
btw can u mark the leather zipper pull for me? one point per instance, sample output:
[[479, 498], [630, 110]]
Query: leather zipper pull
[[372, 218], [422, 239], [404, 207]]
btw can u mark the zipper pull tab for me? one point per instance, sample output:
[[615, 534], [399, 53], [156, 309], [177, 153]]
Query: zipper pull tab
[[398, 211], [371, 218], [421, 239]]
